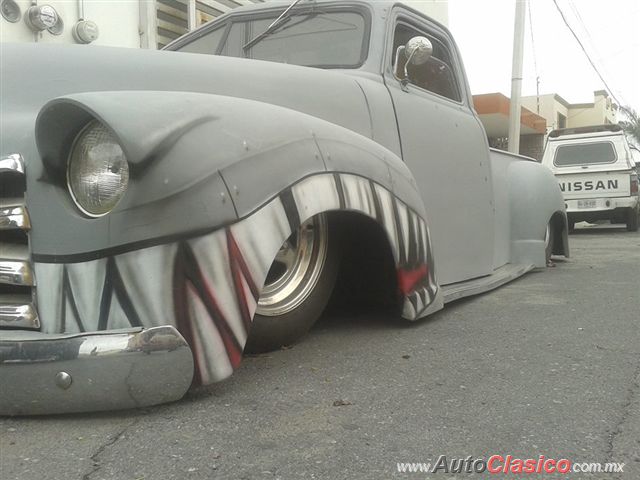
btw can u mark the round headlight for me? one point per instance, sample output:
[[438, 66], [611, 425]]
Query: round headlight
[[98, 172]]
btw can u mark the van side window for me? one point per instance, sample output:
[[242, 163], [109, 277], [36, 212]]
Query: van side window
[[436, 75]]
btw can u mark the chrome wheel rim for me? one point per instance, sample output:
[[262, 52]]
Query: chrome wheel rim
[[296, 269]]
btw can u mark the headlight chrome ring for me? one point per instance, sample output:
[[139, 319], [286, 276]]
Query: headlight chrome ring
[[97, 170]]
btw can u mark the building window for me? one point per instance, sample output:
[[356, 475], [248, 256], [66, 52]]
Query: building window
[[562, 121]]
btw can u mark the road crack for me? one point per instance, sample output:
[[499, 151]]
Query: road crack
[[95, 458], [630, 397]]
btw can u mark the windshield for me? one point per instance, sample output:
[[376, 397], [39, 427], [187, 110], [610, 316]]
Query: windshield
[[585, 154], [326, 39]]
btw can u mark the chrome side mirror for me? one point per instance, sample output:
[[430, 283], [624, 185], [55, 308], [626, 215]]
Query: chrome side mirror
[[417, 51]]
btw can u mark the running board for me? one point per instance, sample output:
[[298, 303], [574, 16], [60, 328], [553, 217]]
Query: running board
[[499, 277]]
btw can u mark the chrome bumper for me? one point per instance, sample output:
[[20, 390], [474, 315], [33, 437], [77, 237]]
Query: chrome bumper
[[116, 369]]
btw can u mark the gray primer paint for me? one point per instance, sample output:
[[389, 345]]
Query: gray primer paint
[[348, 120], [181, 148], [336, 98]]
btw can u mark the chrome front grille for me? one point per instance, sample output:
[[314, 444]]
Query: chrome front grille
[[17, 280]]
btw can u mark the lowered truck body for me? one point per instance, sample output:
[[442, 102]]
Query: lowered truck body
[[164, 212]]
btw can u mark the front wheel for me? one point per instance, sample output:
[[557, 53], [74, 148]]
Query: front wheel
[[632, 220], [298, 287]]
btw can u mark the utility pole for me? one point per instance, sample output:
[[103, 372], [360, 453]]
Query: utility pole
[[516, 77]]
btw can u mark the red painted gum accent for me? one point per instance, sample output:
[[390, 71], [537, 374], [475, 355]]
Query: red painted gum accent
[[408, 279]]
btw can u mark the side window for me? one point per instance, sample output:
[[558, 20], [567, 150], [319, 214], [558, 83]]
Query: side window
[[207, 44], [436, 75], [562, 121]]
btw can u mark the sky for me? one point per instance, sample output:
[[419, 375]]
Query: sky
[[608, 29]]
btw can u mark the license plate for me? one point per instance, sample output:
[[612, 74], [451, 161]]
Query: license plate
[[586, 204]]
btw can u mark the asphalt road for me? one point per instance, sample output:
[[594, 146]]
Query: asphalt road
[[549, 364]]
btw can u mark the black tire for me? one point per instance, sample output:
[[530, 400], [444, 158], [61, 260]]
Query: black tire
[[632, 220], [271, 332]]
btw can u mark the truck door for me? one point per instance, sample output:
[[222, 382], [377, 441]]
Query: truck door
[[445, 146]]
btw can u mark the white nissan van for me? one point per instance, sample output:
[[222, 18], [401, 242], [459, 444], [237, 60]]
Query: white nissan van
[[596, 172]]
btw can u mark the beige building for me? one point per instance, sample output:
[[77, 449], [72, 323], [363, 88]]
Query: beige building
[[539, 116], [561, 114], [494, 110]]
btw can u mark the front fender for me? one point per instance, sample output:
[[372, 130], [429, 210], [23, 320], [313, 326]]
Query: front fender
[[197, 162], [246, 172]]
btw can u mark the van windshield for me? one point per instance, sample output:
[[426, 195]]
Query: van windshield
[[584, 154]]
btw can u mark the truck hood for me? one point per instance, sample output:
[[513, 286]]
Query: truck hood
[[32, 74]]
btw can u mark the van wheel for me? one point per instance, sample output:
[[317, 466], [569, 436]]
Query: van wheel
[[632, 220], [298, 287]]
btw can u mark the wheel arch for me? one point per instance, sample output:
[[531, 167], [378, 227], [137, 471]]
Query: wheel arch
[[535, 201], [362, 210], [367, 278]]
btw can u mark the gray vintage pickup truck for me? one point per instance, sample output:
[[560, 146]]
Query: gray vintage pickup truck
[[164, 211]]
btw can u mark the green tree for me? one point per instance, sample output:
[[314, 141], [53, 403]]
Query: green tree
[[631, 125]]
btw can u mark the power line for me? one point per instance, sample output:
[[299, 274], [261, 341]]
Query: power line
[[584, 26], [591, 41], [564, 19]]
